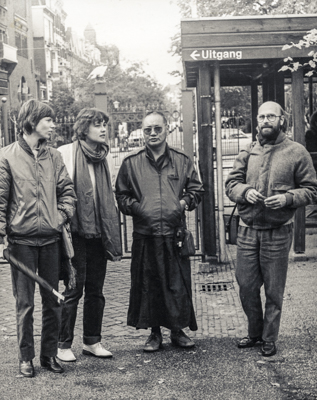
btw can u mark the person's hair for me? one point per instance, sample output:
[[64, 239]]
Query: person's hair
[[84, 118], [284, 126], [156, 113], [30, 115]]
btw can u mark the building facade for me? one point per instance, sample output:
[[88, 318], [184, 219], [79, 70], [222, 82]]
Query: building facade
[[17, 72]]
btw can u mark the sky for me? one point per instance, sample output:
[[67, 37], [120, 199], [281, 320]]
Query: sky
[[141, 29]]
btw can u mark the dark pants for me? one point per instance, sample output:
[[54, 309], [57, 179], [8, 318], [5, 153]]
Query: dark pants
[[262, 258], [45, 260], [90, 264]]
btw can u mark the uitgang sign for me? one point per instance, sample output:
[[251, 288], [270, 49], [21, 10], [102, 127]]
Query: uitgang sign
[[216, 55]]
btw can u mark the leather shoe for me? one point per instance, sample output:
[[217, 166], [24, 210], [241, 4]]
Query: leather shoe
[[268, 349], [65, 355], [179, 338], [26, 369], [249, 342], [51, 364], [153, 343], [96, 350]]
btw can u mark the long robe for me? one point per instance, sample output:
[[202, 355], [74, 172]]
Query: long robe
[[160, 285]]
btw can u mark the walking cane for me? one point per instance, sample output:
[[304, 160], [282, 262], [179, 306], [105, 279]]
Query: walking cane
[[25, 270]]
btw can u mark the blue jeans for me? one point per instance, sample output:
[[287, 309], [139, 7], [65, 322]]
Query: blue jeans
[[262, 258], [90, 264], [45, 260]]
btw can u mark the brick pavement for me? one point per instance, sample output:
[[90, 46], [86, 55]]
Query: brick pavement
[[215, 299]]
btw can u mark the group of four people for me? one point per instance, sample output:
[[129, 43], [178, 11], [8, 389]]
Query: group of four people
[[42, 188]]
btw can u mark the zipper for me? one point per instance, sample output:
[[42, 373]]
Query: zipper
[[160, 180], [38, 194]]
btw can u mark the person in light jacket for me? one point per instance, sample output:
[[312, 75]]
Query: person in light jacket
[[269, 181], [36, 198], [95, 232]]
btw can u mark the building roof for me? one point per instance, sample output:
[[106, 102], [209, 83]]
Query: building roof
[[246, 47]]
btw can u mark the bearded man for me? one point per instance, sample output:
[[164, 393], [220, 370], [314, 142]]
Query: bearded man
[[269, 181]]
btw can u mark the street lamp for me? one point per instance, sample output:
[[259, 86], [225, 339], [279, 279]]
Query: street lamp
[[116, 104]]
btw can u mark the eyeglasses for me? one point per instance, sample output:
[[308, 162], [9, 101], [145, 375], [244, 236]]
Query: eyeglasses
[[270, 117], [157, 130]]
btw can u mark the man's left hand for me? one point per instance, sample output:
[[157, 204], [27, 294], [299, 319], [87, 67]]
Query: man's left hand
[[275, 202], [183, 204]]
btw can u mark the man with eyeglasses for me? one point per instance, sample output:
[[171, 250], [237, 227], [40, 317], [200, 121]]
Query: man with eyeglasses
[[155, 185], [269, 181]]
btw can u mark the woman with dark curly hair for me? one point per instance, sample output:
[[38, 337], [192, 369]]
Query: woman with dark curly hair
[[36, 198], [95, 230]]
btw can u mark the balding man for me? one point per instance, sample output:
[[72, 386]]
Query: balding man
[[154, 186], [269, 181]]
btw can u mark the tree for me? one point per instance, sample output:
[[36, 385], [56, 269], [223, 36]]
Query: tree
[[220, 8], [128, 86]]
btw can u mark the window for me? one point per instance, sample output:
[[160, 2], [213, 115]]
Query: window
[[21, 42], [3, 36]]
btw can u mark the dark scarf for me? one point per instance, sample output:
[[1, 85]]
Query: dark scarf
[[100, 218]]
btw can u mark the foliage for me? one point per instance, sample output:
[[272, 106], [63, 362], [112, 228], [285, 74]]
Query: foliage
[[237, 98], [133, 85], [130, 86], [308, 40], [220, 8]]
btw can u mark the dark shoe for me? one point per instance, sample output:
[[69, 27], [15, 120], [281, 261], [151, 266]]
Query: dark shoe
[[26, 369], [51, 364], [153, 343], [268, 349], [249, 342], [180, 339]]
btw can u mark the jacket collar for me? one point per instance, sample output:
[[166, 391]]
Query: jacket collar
[[167, 154], [27, 149]]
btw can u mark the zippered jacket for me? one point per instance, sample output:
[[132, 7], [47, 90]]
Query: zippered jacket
[[36, 194], [282, 168], [153, 197]]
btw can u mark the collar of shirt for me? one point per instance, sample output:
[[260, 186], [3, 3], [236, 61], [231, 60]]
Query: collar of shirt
[[160, 161]]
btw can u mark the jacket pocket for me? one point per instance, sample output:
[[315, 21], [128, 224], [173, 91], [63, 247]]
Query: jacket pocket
[[281, 187]]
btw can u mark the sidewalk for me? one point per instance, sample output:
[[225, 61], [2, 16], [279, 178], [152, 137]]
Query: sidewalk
[[214, 369]]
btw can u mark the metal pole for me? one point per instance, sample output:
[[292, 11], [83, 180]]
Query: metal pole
[[5, 121], [221, 224], [206, 161]]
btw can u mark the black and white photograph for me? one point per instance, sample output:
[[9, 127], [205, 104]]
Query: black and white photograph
[[158, 199]]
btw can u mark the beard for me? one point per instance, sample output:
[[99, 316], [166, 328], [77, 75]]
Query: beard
[[270, 132]]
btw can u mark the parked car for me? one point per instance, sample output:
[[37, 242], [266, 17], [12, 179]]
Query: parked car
[[237, 123], [233, 140], [136, 138]]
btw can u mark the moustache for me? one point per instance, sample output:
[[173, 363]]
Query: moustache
[[266, 126]]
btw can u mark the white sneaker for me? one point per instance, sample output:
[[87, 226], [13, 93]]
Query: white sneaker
[[66, 355], [96, 350]]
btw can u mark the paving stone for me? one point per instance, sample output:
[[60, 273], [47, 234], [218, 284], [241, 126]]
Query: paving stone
[[218, 313]]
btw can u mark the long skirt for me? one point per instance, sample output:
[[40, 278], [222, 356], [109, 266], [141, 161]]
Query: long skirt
[[160, 292]]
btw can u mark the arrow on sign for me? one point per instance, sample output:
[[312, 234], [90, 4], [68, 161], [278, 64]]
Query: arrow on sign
[[195, 54]]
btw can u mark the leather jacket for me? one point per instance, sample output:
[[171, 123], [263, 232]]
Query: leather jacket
[[152, 196]]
